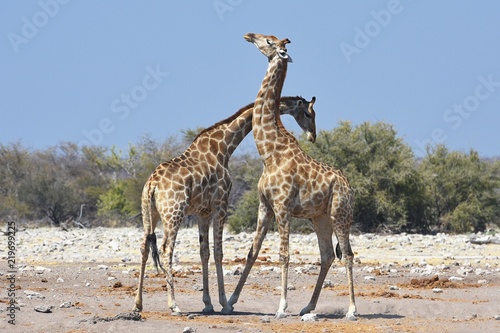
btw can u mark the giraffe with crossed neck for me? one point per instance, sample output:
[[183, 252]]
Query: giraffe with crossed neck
[[295, 185], [197, 183]]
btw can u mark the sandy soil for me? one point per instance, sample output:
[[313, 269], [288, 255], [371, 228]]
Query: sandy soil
[[404, 283]]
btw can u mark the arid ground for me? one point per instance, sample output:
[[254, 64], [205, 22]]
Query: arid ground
[[85, 280]]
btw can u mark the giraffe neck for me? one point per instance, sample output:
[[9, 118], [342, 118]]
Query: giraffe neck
[[221, 139], [267, 125]]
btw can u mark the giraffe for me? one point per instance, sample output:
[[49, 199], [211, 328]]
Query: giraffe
[[197, 183], [294, 184]]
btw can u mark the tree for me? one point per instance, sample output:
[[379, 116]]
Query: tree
[[381, 168], [14, 167], [463, 190], [48, 186], [129, 173]]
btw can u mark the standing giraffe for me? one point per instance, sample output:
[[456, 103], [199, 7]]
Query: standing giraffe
[[197, 182], [294, 184]]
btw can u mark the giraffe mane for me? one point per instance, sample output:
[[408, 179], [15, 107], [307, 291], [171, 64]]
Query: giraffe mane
[[240, 111]]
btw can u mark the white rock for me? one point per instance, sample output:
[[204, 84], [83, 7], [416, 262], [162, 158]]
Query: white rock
[[41, 270], [482, 282], [370, 278], [437, 290], [30, 294], [328, 284], [265, 319], [66, 305], [456, 278], [60, 279]]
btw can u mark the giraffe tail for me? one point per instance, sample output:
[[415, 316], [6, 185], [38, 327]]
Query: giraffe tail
[[338, 251], [151, 242], [150, 226]]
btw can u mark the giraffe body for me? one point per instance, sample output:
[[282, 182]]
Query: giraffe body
[[197, 183], [294, 184]]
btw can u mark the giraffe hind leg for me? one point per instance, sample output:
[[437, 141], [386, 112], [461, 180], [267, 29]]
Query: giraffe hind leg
[[324, 231], [345, 247], [203, 226], [144, 259]]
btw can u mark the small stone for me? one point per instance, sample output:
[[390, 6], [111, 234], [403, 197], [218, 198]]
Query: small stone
[[66, 305], [482, 282], [370, 278], [188, 329], [43, 309], [111, 278], [393, 288], [328, 284], [265, 320], [455, 278], [437, 290], [33, 294], [102, 267], [497, 317], [60, 280], [41, 270], [198, 287], [192, 316]]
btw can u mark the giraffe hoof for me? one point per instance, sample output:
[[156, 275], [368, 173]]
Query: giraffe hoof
[[208, 310], [304, 311], [227, 310], [351, 317], [280, 315]]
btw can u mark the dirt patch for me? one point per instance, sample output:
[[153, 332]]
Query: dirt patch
[[89, 292]]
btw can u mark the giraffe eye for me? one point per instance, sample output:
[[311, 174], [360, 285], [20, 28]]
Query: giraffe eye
[[268, 42], [307, 114]]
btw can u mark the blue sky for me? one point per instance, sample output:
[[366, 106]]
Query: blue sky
[[110, 72]]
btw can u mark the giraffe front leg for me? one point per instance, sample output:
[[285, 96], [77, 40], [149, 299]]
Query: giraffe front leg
[[352, 312], [263, 220], [218, 228], [203, 226], [284, 231]]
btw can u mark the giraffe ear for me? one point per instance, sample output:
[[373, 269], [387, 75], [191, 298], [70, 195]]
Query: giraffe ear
[[286, 41], [284, 55]]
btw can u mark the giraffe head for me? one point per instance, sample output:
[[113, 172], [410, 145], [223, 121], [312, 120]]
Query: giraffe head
[[270, 46], [303, 112]]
